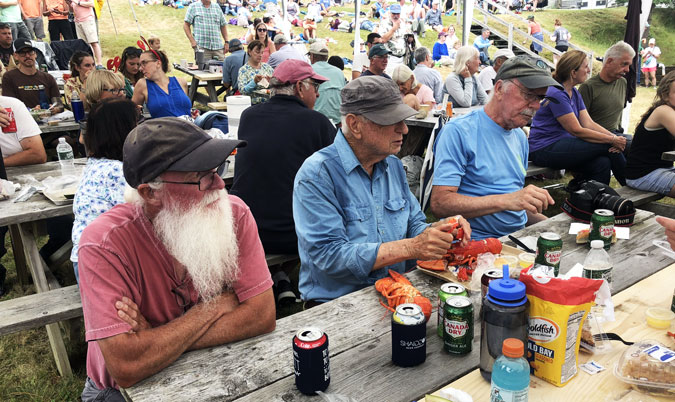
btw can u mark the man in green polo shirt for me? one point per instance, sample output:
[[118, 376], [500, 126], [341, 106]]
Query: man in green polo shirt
[[328, 102]]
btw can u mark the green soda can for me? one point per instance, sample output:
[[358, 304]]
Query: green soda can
[[549, 250], [447, 290], [602, 227], [458, 325]]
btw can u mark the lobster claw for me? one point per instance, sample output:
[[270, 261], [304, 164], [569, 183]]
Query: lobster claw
[[454, 221]]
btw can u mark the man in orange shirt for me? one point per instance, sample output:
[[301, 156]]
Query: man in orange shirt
[[31, 11], [56, 12]]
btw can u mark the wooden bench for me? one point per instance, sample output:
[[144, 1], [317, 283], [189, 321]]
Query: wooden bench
[[638, 197], [278, 259], [534, 170], [40, 309], [217, 106]]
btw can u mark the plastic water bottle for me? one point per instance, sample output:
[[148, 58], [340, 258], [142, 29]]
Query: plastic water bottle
[[66, 157], [44, 101], [78, 106], [597, 264], [510, 374]]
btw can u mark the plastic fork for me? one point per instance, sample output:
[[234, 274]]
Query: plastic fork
[[610, 336]]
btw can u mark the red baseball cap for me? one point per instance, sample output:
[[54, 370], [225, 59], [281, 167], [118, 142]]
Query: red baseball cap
[[291, 71]]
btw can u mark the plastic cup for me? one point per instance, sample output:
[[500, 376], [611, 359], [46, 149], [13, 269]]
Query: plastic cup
[[526, 260]]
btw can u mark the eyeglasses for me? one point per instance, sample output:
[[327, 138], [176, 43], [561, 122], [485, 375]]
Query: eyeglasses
[[261, 30], [26, 52], [529, 96], [204, 182], [315, 84], [115, 91]]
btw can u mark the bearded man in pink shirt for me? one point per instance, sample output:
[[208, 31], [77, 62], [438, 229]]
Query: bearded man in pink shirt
[[180, 267]]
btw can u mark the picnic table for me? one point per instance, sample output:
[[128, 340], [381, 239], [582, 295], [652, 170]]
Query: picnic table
[[20, 217], [359, 331], [419, 131], [629, 307], [213, 82]]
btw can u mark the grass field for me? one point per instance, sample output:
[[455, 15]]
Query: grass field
[[27, 370]]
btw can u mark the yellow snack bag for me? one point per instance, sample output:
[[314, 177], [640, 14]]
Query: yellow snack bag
[[558, 308]]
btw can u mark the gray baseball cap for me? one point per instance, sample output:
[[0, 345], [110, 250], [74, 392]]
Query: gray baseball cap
[[279, 39], [171, 144], [377, 99], [531, 72]]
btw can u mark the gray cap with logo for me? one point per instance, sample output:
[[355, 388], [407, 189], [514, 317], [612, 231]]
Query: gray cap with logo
[[376, 98], [531, 72]]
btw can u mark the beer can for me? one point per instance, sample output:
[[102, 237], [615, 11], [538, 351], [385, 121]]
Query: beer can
[[408, 336], [488, 277], [602, 227], [11, 127], [447, 290], [311, 361], [549, 251], [458, 325]]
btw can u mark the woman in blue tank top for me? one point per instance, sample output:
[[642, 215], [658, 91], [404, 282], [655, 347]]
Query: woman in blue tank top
[[165, 96]]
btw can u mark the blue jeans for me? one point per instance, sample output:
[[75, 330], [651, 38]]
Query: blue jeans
[[593, 161]]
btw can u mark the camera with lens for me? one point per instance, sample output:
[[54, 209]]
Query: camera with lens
[[588, 195]]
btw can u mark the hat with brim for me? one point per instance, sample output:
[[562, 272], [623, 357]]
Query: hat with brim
[[378, 50], [376, 98], [171, 144], [292, 70], [22, 43], [532, 73]]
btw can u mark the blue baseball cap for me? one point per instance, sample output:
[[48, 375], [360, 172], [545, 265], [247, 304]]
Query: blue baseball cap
[[395, 9]]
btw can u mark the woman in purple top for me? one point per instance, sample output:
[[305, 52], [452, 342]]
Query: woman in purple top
[[563, 135]]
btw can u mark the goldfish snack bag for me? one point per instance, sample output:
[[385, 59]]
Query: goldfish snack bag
[[558, 308]]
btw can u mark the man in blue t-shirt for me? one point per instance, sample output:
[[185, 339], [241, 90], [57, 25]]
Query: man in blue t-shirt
[[481, 158], [482, 43]]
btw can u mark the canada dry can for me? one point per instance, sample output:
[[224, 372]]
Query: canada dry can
[[488, 277], [311, 360], [458, 323], [602, 227], [447, 290], [408, 335], [549, 251]]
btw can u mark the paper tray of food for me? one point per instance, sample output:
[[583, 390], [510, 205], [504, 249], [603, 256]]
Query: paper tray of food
[[60, 197], [450, 274]]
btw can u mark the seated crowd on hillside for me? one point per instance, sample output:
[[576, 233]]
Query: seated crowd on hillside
[[167, 260]]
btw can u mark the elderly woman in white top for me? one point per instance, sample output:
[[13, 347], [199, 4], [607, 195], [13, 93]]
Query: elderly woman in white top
[[413, 93], [462, 85]]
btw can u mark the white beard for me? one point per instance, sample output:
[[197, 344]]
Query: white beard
[[203, 239]]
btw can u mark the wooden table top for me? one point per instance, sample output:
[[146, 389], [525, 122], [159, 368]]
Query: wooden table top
[[202, 75], [629, 307], [359, 333], [66, 125], [38, 206]]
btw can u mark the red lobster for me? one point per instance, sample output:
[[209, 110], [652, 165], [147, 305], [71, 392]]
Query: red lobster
[[398, 290], [464, 256]]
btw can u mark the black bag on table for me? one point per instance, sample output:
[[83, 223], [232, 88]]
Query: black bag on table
[[588, 195]]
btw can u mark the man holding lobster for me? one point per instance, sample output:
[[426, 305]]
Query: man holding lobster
[[354, 214], [481, 158]]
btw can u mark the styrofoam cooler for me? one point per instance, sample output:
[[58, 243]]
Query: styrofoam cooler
[[236, 105]]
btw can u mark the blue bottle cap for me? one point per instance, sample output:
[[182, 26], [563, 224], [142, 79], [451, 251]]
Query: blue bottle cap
[[506, 291]]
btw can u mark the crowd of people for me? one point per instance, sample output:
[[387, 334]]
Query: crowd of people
[[168, 261]]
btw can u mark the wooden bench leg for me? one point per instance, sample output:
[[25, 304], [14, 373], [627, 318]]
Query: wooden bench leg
[[41, 285], [19, 256]]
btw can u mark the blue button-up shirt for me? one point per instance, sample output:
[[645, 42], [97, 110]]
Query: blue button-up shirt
[[342, 216]]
